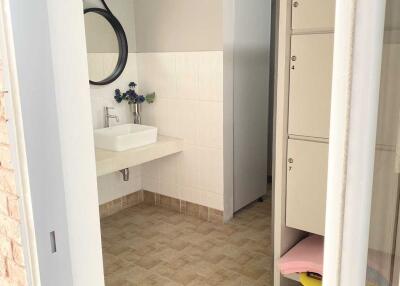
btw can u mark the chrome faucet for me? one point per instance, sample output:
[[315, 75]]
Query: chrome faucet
[[107, 116]]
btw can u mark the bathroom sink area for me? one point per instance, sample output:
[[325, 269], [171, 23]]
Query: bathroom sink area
[[124, 137], [128, 145], [108, 162]]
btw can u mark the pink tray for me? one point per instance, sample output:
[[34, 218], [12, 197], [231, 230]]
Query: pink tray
[[306, 256]]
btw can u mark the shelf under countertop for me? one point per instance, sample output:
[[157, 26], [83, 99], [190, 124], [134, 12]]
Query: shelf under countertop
[[108, 162]]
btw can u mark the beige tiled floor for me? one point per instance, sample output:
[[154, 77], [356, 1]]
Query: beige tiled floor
[[147, 245]]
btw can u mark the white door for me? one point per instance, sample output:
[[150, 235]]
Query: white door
[[251, 73]]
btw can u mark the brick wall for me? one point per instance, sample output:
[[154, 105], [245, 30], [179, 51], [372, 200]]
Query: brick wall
[[12, 271]]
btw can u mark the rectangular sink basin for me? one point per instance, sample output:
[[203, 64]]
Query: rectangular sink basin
[[124, 137]]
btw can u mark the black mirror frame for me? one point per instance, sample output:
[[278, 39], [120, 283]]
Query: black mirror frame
[[122, 45]]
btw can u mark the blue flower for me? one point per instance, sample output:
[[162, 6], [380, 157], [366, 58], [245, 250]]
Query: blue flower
[[118, 97], [132, 97], [132, 85]]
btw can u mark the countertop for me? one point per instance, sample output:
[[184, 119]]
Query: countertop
[[108, 162]]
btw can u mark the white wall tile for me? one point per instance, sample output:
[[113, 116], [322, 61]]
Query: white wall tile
[[189, 94], [157, 72], [187, 75], [151, 169], [161, 176], [214, 201], [210, 124], [187, 121], [189, 166], [191, 194], [102, 96], [112, 186], [167, 117], [211, 170], [189, 89], [169, 170], [150, 113], [211, 76], [150, 184], [170, 190]]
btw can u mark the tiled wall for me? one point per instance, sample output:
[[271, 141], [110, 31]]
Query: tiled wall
[[189, 88], [112, 186], [104, 95]]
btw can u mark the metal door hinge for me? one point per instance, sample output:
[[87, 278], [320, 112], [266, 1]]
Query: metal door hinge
[[53, 243]]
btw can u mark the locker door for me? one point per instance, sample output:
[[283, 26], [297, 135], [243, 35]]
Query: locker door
[[313, 14], [310, 85], [306, 185]]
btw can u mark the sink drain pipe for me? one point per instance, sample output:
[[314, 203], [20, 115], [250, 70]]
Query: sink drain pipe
[[125, 174]]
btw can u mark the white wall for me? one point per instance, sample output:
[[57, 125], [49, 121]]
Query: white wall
[[41, 121], [228, 27], [112, 186], [53, 83], [124, 11], [190, 100], [188, 105], [103, 95], [178, 25], [189, 88], [180, 58]]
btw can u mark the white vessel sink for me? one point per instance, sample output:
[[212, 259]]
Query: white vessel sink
[[124, 137]]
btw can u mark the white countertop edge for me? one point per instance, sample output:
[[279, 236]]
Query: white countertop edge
[[108, 162]]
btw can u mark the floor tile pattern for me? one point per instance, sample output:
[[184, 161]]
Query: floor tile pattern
[[147, 245]]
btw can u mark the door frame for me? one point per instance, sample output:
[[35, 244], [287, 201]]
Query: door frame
[[49, 58], [355, 98], [17, 144]]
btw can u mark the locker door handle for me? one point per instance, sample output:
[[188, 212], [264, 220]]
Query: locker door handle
[[290, 161], [293, 59]]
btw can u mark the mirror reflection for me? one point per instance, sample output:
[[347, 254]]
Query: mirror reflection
[[106, 40], [102, 47]]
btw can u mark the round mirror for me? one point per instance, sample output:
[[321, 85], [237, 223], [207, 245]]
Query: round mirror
[[107, 46]]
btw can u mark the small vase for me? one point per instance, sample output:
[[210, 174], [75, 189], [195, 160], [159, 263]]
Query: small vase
[[135, 109]]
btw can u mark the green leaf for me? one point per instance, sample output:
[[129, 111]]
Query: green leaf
[[150, 97]]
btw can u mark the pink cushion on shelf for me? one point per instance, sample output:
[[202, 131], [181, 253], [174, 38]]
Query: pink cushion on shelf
[[306, 256]]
